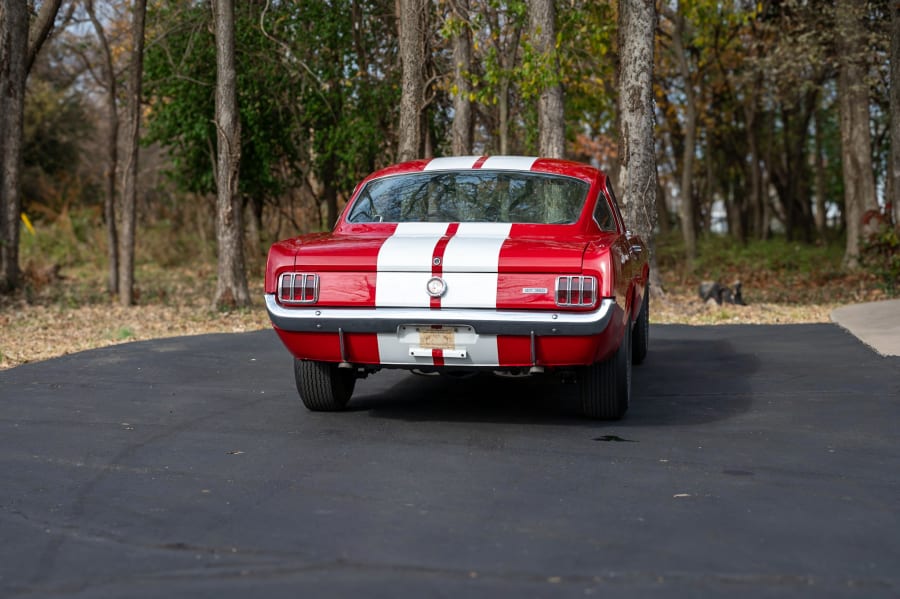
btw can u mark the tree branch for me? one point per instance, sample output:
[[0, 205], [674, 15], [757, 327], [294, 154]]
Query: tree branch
[[40, 30]]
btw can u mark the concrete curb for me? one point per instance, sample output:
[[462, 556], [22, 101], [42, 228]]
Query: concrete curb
[[877, 324]]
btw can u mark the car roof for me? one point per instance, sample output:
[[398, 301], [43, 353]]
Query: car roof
[[534, 164]]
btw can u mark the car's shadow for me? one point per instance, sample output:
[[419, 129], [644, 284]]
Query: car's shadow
[[682, 382]]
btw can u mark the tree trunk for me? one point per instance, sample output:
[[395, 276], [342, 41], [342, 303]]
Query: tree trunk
[[754, 173], [819, 165], [707, 188], [359, 44], [40, 30], [894, 199], [13, 49], [329, 192], [856, 144], [463, 125], [112, 151], [412, 93], [254, 214], [231, 287], [19, 46], [129, 196], [637, 153], [664, 219], [688, 210], [551, 109], [503, 116]]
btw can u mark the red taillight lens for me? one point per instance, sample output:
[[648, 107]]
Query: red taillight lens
[[298, 288], [562, 290], [588, 293], [577, 291]]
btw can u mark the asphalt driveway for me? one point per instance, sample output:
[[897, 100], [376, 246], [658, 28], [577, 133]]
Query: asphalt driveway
[[755, 461]]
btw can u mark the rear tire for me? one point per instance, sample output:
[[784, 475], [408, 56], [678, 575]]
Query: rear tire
[[641, 341], [323, 387], [606, 386]]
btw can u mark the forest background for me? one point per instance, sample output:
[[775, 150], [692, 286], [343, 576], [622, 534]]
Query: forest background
[[773, 144]]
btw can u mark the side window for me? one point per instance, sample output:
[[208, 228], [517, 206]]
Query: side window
[[617, 214], [602, 213]]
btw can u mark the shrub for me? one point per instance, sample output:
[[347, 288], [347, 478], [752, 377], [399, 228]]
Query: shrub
[[880, 255]]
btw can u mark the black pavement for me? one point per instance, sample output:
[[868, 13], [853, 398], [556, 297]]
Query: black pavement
[[755, 461]]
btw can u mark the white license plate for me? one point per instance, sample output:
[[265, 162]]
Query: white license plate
[[451, 340], [443, 338]]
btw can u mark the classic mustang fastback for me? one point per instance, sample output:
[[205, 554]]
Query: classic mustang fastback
[[505, 264]]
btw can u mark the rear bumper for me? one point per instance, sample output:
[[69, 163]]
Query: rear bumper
[[484, 321]]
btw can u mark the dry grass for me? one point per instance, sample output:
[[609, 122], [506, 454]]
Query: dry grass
[[75, 313], [58, 316], [684, 308]]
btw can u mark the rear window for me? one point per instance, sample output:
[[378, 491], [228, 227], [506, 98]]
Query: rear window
[[471, 196]]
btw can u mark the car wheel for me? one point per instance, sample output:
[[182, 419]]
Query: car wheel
[[323, 387], [641, 340], [606, 386]]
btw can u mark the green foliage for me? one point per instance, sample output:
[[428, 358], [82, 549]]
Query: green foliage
[[180, 74], [505, 61], [586, 32], [774, 270], [169, 244], [310, 94], [122, 334], [55, 124], [719, 256], [72, 238]]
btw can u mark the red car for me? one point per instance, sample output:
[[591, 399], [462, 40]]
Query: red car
[[506, 264]]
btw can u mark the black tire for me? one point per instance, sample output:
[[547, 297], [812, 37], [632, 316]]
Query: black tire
[[606, 386], [323, 387], [640, 343]]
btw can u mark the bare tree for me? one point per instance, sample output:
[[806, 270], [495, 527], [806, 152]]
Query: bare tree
[[13, 40], [856, 144], [463, 125], [19, 46], [820, 174], [231, 287], [637, 152], [112, 148], [129, 196], [412, 61], [551, 110], [504, 30], [40, 30], [688, 211], [895, 111]]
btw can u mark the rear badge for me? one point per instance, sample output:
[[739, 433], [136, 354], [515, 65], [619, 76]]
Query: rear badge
[[540, 290], [436, 287]]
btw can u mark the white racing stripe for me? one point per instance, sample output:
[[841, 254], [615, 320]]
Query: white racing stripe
[[509, 163], [469, 290], [402, 290], [476, 248], [452, 163], [410, 248], [404, 265], [470, 265], [504, 163]]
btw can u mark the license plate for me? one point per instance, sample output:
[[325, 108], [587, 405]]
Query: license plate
[[437, 338]]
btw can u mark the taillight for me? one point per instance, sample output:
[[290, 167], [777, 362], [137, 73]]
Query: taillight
[[298, 288], [577, 291]]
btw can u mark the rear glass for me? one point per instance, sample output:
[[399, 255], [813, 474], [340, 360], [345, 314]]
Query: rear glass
[[471, 196]]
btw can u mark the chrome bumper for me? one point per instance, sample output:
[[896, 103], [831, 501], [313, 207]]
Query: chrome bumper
[[485, 322]]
